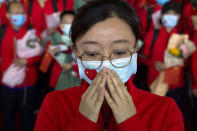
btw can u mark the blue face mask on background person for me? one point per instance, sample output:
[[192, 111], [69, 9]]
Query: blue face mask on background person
[[162, 2], [66, 28], [124, 73], [18, 20], [170, 21], [1, 1]]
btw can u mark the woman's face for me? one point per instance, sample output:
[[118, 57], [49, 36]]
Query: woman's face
[[106, 37]]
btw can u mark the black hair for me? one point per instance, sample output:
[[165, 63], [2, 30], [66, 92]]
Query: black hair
[[171, 5], [66, 12], [10, 4], [99, 10]]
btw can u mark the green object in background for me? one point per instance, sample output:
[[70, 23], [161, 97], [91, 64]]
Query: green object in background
[[66, 39], [57, 39], [60, 58], [140, 44], [66, 79], [78, 4]]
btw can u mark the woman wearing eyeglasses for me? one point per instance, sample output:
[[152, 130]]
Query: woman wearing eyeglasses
[[105, 34]]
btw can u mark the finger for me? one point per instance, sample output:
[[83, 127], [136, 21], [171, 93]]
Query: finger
[[96, 82], [95, 93], [117, 83], [100, 99], [127, 96], [109, 100], [93, 86], [112, 91], [117, 78], [97, 78]]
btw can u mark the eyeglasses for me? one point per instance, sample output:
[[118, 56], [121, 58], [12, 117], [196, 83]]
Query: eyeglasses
[[115, 59]]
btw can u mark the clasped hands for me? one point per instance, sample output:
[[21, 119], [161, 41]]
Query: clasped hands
[[117, 97]]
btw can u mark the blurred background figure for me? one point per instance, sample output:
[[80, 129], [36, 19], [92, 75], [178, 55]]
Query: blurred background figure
[[3, 18], [20, 53], [64, 68]]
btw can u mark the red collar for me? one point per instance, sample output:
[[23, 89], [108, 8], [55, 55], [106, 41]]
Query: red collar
[[20, 33]]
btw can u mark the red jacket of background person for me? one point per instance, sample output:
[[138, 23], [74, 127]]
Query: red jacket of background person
[[3, 18], [156, 53], [8, 55]]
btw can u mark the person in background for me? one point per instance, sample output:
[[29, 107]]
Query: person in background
[[189, 23], [3, 19], [107, 61], [156, 14], [39, 10], [194, 83], [155, 50], [64, 73], [20, 53]]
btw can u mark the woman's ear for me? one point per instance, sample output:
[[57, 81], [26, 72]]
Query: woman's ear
[[179, 17]]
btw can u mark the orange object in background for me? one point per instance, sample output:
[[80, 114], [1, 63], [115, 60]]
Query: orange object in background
[[45, 63]]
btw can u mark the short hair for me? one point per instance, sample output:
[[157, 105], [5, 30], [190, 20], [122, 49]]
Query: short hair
[[66, 12], [10, 4], [171, 5], [99, 10]]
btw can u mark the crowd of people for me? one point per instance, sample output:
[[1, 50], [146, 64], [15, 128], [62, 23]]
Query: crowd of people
[[35, 41]]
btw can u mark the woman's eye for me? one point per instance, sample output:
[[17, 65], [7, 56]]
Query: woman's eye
[[120, 52], [92, 54]]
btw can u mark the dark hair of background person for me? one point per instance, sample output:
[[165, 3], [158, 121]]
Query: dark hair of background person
[[194, 3], [171, 5], [99, 10], [66, 12], [10, 4]]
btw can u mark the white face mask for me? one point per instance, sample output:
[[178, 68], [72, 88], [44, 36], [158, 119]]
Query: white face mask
[[124, 73], [66, 28], [170, 21], [1, 1]]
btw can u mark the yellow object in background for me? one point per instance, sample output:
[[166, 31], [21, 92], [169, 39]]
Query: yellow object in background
[[175, 52]]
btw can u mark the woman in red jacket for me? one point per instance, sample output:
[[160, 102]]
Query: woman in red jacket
[[104, 33], [19, 68], [189, 13], [38, 10]]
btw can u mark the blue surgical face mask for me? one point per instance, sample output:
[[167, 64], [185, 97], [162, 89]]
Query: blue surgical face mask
[[1, 1], [162, 2], [18, 20], [170, 21], [124, 73], [66, 28]]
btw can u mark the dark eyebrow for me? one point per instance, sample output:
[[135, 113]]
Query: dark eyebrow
[[89, 42], [121, 41]]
